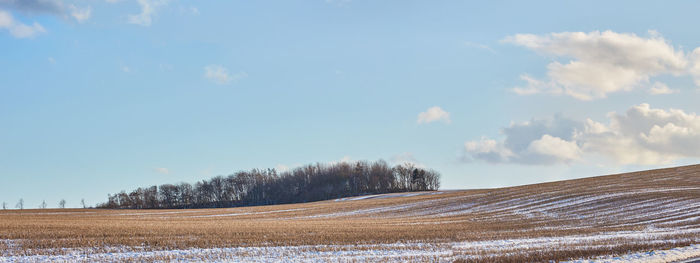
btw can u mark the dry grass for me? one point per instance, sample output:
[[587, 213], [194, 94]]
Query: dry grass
[[645, 202]]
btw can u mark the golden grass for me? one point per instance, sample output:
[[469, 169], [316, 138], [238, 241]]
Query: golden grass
[[632, 202]]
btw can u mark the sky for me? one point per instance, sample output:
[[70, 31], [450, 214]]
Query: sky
[[100, 96]]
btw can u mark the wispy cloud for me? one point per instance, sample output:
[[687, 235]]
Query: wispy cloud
[[479, 46], [81, 14], [281, 168], [220, 75], [345, 159], [52, 7], [661, 89], [18, 29], [406, 157], [148, 10], [57, 8], [189, 10]]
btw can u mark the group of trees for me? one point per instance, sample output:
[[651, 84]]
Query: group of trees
[[264, 187]]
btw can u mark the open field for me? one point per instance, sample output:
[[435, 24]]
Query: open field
[[567, 220]]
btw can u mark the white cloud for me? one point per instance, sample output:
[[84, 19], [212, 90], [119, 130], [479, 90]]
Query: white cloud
[[479, 46], [406, 157], [220, 75], [281, 168], [188, 10], [599, 63], [667, 133], [433, 114], [660, 88], [18, 29], [80, 14], [148, 9], [488, 150], [51, 60], [642, 135], [554, 149], [345, 159], [126, 69], [695, 67], [546, 141], [162, 170]]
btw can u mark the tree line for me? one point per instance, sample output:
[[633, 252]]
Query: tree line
[[268, 186], [43, 205]]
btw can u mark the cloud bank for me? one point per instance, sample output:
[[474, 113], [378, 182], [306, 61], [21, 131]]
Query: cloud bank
[[641, 135], [593, 65]]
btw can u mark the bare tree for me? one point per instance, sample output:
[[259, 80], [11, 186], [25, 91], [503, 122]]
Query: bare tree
[[43, 204], [62, 203], [82, 202], [4, 205], [20, 204]]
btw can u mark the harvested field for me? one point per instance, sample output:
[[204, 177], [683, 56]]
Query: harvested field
[[567, 220]]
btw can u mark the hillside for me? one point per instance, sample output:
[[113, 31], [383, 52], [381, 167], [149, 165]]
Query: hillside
[[573, 219]]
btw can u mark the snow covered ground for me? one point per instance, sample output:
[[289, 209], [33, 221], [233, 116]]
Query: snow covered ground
[[654, 256], [381, 196], [395, 252]]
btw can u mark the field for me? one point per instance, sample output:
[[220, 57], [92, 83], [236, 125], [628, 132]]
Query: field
[[650, 215]]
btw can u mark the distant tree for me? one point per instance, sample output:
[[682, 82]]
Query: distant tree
[[62, 203], [168, 195], [136, 198], [4, 205], [82, 203], [432, 178], [404, 173], [186, 197], [43, 204], [150, 196], [418, 180], [20, 204]]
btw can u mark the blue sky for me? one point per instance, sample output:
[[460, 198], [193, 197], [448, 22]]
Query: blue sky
[[99, 96]]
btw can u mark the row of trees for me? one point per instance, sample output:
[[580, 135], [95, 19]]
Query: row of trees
[[264, 187], [43, 205]]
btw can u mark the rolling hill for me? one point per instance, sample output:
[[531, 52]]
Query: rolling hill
[[648, 215]]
